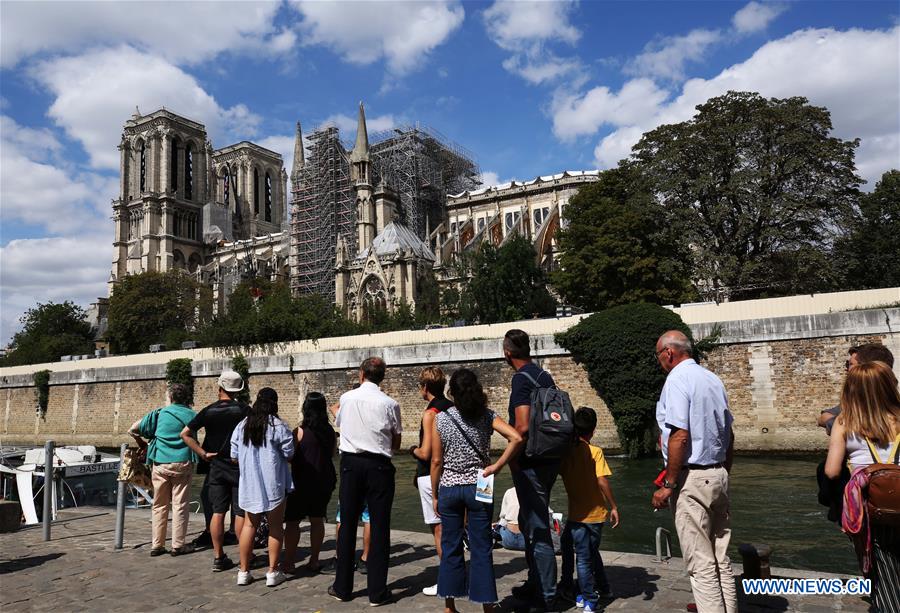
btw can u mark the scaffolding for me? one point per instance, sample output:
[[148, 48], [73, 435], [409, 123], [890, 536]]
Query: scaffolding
[[418, 163], [422, 167], [322, 209]]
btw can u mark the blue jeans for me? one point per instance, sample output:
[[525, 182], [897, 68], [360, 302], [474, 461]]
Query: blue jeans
[[533, 487], [581, 548], [455, 504], [511, 540]]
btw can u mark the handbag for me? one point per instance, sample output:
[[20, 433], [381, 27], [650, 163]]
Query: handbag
[[484, 486], [134, 470]]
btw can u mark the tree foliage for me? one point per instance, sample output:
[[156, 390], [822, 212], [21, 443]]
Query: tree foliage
[[260, 311], [42, 390], [759, 189], [616, 347], [155, 307], [870, 253], [506, 284], [241, 366], [619, 246], [50, 330], [179, 370]]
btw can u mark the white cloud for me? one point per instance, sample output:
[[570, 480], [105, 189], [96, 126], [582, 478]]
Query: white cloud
[[401, 33], [517, 25], [181, 32], [667, 57], [542, 69], [756, 16], [36, 188], [584, 114], [489, 177], [831, 68], [44, 269], [528, 29], [97, 91]]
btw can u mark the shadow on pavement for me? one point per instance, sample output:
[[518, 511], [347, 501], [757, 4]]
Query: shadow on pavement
[[11, 566]]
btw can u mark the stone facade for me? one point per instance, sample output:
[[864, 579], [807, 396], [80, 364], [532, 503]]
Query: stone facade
[[776, 385], [181, 203]]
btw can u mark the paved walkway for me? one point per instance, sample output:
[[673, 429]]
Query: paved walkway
[[80, 571]]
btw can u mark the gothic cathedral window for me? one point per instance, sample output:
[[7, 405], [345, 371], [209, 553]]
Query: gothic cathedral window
[[256, 191], [188, 172], [268, 197], [143, 167], [173, 173], [225, 182]]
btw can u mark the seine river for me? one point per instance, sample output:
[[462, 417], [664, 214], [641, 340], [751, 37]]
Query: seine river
[[773, 501]]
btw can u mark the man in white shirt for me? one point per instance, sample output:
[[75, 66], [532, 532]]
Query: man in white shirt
[[370, 428], [697, 444]]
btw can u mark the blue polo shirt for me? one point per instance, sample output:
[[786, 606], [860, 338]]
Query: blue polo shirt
[[163, 428], [694, 399]]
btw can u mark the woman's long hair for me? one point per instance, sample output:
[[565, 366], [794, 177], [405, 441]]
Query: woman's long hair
[[315, 417], [468, 395], [260, 415], [870, 403]]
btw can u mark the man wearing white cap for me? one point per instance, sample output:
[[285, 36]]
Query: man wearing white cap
[[219, 421]]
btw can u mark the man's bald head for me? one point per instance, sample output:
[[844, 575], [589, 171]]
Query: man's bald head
[[677, 341], [672, 348]]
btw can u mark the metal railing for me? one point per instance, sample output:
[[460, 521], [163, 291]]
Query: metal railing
[[660, 533]]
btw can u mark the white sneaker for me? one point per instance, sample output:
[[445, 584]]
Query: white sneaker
[[431, 590], [244, 578], [275, 578]]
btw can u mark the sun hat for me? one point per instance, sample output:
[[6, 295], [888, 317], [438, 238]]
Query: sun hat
[[230, 381]]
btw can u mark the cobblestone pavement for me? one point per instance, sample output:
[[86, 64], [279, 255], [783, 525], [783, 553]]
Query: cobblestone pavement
[[78, 570]]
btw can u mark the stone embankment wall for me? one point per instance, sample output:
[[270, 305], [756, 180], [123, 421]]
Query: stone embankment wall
[[780, 371]]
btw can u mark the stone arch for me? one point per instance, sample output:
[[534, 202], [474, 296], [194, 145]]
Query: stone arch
[[373, 297], [178, 260], [194, 262]]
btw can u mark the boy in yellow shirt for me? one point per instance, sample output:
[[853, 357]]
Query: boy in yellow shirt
[[591, 503]]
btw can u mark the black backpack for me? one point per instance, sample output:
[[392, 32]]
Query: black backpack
[[551, 426]]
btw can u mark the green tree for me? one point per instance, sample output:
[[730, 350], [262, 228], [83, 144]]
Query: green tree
[[616, 347], [869, 255], [260, 311], [153, 307], [180, 371], [619, 246], [241, 366], [506, 284], [50, 330], [759, 189]]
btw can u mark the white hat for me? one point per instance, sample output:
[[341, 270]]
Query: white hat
[[231, 381]]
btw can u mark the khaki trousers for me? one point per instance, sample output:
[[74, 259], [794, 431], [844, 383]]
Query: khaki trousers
[[703, 523], [171, 485]]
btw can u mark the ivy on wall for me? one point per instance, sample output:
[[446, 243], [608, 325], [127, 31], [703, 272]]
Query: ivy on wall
[[42, 390], [242, 367], [179, 371]]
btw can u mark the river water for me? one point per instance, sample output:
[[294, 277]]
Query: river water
[[773, 501]]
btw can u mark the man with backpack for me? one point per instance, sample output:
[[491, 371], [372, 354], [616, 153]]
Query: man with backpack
[[543, 416]]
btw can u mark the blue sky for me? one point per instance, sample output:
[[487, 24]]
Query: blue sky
[[528, 87]]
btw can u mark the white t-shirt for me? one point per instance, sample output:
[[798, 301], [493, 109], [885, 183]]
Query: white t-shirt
[[859, 454], [368, 420], [509, 508]]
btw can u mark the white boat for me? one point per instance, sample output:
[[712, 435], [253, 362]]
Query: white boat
[[82, 476]]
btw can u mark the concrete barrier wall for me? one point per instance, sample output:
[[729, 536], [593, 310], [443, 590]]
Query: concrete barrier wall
[[779, 372]]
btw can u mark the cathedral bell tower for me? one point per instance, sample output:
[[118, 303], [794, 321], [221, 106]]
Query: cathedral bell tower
[[360, 168]]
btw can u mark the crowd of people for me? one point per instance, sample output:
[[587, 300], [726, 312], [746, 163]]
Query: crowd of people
[[268, 478]]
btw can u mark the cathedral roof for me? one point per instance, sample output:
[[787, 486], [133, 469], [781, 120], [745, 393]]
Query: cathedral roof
[[397, 237]]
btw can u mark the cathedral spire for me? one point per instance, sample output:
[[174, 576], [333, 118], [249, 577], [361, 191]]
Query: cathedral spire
[[361, 148], [298, 155]]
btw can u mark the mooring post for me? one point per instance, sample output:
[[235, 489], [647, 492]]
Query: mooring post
[[120, 502], [49, 446]]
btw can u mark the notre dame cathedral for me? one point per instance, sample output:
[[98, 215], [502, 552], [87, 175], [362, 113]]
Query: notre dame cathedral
[[366, 227]]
